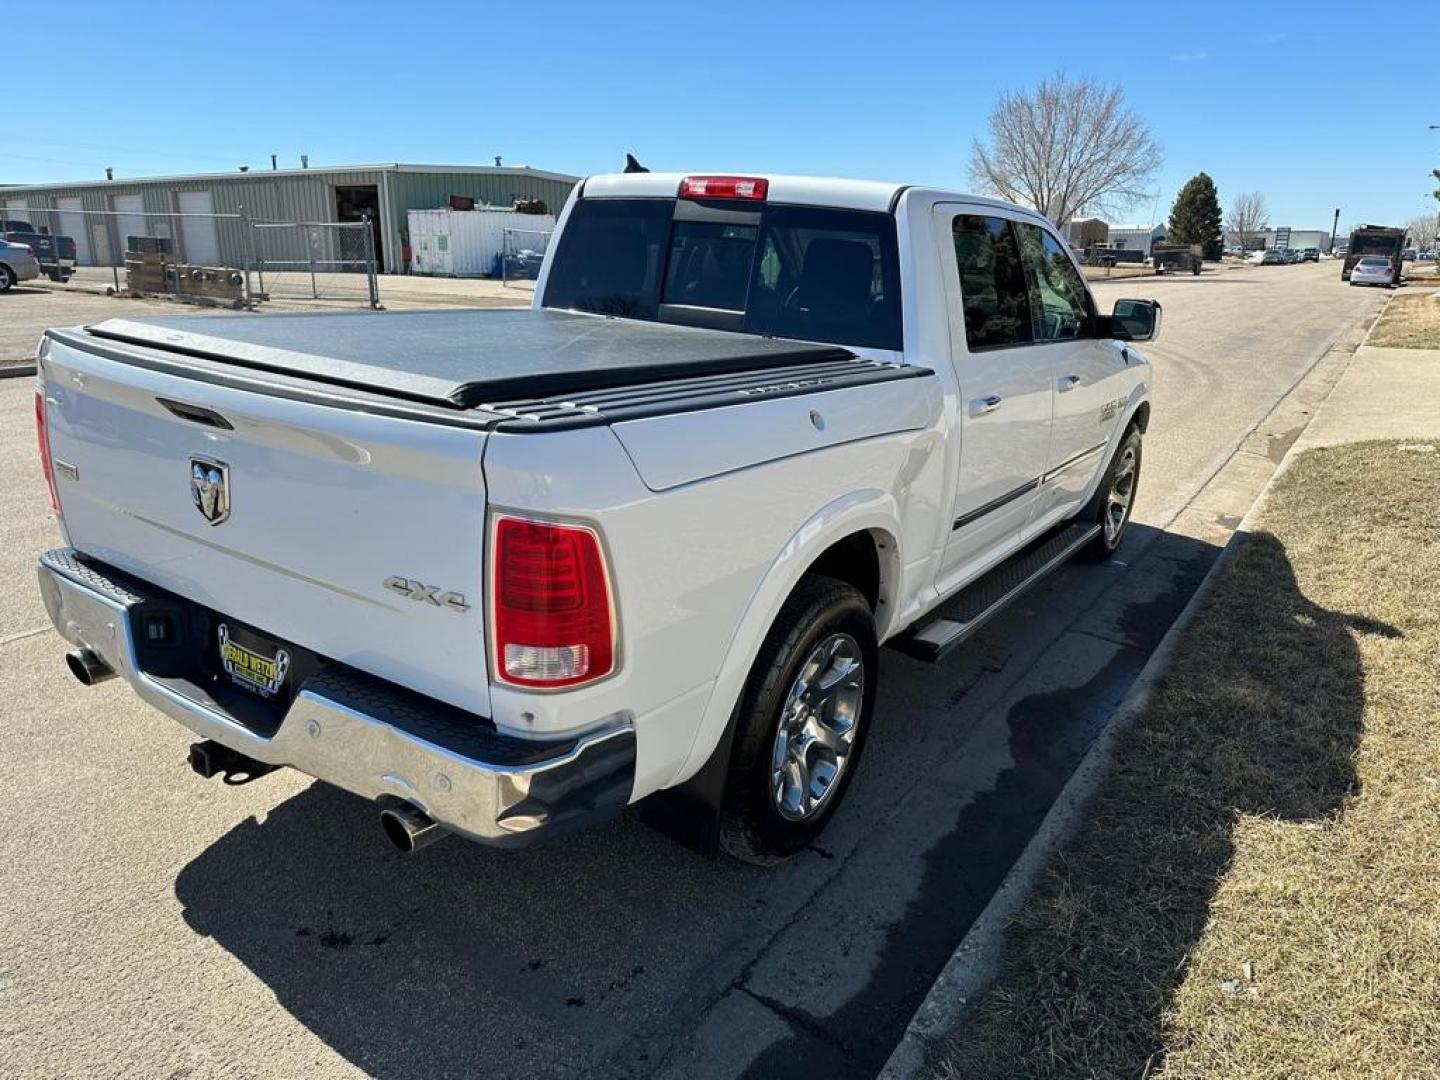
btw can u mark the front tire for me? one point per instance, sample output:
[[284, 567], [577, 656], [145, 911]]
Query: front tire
[[6, 278], [801, 722], [1114, 500]]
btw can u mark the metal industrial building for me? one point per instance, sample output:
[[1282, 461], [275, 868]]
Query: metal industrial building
[[150, 205]]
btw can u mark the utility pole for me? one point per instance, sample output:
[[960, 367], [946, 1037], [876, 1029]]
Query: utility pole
[[1334, 225]]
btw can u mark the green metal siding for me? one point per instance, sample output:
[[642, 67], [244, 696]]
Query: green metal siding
[[292, 197]]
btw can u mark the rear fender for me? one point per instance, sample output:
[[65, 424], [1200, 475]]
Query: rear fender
[[872, 511]]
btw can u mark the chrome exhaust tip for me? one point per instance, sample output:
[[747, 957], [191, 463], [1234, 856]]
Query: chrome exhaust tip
[[409, 828], [87, 667]]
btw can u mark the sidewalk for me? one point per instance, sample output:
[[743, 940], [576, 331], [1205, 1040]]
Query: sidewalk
[[1384, 394]]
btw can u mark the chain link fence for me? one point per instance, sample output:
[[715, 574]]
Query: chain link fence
[[314, 260], [524, 252], [210, 259]]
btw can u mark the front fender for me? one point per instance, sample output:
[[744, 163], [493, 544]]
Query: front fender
[[1139, 395], [872, 511]]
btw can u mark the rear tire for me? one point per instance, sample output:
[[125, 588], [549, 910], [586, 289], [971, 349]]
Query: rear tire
[[1114, 500], [801, 722], [7, 278]]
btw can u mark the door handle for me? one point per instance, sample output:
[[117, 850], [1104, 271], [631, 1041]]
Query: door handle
[[981, 405], [1067, 382]]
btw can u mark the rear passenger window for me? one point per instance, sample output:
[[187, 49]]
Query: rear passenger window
[[992, 282], [1060, 302]]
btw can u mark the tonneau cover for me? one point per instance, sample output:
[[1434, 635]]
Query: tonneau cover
[[467, 358]]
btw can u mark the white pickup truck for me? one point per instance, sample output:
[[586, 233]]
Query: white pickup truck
[[506, 572]]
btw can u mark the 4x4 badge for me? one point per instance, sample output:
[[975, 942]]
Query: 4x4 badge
[[210, 488]]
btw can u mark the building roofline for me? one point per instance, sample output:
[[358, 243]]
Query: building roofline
[[319, 170]]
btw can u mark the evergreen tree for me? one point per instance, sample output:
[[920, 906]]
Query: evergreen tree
[[1195, 218]]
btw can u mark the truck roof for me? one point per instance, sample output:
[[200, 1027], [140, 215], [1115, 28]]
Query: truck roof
[[878, 195]]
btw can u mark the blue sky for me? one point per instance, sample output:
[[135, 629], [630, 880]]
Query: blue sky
[[1310, 103]]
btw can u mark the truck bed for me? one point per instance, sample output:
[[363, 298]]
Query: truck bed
[[466, 359]]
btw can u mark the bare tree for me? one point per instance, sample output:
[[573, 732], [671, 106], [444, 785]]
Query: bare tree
[[1065, 147], [1247, 216], [1423, 230]]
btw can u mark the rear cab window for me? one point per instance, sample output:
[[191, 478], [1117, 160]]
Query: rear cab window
[[804, 272]]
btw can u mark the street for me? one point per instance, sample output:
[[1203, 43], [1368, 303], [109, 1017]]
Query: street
[[158, 923]]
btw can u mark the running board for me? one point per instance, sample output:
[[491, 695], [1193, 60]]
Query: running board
[[980, 601]]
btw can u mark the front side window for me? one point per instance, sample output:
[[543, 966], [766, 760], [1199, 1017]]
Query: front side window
[[1060, 303], [992, 282]]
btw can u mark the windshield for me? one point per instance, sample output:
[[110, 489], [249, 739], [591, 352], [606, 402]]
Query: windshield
[[811, 273]]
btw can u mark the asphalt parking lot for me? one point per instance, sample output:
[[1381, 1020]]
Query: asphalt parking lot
[[158, 924]]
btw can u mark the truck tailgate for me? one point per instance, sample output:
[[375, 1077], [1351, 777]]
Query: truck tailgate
[[326, 505]]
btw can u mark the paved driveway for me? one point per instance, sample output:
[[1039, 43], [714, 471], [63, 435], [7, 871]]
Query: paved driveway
[[155, 923]]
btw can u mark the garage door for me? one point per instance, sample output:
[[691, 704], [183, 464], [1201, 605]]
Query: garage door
[[72, 224], [200, 237], [130, 220]]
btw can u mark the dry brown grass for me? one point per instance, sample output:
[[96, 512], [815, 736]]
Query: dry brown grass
[[1256, 889], [1410, 321]]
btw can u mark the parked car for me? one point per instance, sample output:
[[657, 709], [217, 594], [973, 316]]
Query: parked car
[[55, 254], [1372, 270], [1425, 256], [1377, 240], [504, 572], [1271, 257], [1310, 255], [17, 263]]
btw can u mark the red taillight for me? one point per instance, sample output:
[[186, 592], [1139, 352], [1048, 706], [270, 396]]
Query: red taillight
[[46, 462], [552, 619], [724, 187]]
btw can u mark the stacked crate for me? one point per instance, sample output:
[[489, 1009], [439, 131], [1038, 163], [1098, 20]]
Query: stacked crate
[[149, 264], [214, 284]]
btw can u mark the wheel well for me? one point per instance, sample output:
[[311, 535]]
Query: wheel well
[[856, 561], [1142, 417]]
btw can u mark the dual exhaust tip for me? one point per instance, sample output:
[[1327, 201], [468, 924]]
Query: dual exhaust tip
[[405, 825], [87, 667], [409, 828]]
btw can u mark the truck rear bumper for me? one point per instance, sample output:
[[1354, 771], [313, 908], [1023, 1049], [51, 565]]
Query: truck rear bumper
[[370, 737]]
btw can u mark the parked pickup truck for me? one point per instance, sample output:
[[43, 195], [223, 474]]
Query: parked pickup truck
[[506, 572], [56, 254]]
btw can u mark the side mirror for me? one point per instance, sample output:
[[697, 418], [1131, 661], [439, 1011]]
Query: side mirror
[[1135, 320]]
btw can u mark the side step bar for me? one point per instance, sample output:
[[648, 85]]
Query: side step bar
[[980, 601]]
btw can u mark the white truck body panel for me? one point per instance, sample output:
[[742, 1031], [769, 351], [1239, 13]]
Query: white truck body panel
[[337, 501]]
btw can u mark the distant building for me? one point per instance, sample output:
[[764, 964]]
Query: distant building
[[1265, 239], [1139, 238], [150, 206], [1087, 232]]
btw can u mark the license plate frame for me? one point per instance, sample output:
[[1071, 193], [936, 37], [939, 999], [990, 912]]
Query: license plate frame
[[254, 662]]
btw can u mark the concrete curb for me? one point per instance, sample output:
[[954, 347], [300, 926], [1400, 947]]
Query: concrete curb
[[974, 964], [16, 371]]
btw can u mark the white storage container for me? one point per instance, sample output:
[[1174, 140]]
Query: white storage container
[[466, 243]]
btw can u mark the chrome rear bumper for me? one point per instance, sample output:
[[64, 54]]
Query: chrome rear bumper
[[367, 736]]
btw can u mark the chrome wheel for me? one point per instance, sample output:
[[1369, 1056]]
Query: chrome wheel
[[817, 728], [1120, 496], [4, 279]]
